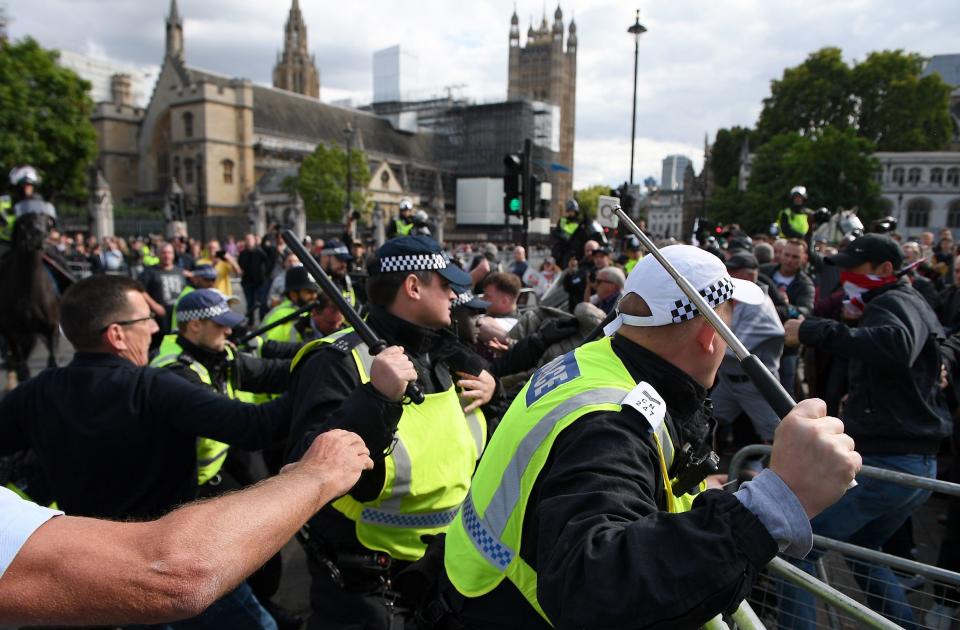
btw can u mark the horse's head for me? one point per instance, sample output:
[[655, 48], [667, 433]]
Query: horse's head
[[30, 231]]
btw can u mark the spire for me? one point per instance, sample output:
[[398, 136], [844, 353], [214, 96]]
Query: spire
[[174, 33], [514, 28], [558, 24], [296, 69]]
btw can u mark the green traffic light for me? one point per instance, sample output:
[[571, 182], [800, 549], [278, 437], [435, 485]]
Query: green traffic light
[[515, 205]]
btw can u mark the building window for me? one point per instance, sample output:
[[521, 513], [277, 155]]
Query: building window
[[176, 168], [188, 170], [913, 176], [227, 171], [188, 124], [936, 176], [918, 212], [898, 176], [953, 214], [953, 176]]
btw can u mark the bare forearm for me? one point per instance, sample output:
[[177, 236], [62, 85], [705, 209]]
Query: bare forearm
[[78, 570]]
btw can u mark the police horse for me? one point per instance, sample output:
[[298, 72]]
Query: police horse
[[29, 301]]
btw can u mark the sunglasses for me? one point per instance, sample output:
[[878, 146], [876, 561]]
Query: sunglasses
[[129, 322]]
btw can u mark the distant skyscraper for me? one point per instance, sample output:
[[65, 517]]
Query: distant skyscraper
[[394, 74], [673, 168], [296, 69]]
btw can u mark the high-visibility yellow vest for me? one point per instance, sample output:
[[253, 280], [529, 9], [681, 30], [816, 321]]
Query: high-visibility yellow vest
[[187, 290], [483, 543], [8, 218], [210, 453], [149, 260], [567, 227], [403, 228], [284, 332], [796, 220], [427, 471], [630, 264]]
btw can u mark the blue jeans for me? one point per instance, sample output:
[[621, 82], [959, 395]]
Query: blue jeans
[[788, 373], [867, 516], [237, 610]]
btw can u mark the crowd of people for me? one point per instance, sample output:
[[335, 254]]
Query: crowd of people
[[502, 452]]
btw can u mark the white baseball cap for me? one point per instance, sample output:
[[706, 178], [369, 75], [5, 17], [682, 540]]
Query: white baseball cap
[[667, 302]]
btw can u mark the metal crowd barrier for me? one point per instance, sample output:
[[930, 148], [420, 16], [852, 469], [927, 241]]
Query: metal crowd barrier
[[843, 568]]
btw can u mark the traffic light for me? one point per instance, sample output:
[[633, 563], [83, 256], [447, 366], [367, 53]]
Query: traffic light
[[513, 184]]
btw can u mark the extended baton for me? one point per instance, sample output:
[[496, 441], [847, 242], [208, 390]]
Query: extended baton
[[374, 343], [280, 322]]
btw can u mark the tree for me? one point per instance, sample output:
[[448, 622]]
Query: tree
[[322, 182], [883, 98], [588, 198], [725, 153], [835, 165], [45, 120]]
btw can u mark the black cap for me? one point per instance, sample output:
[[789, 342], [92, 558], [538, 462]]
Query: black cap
[[298, 278], [742, 259], [418, 253], [334, 247], [872, 248]]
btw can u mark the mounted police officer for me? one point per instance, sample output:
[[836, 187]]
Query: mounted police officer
[[793, 220], [402, 224], [565, 522], [424, 453], [25, 200]]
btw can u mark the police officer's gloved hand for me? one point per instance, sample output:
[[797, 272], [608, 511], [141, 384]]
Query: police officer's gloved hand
[[558, 330]]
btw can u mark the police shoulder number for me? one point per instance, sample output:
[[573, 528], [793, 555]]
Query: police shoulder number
[[648, 402]]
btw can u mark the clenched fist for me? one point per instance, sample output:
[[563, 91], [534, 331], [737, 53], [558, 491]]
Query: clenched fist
[[391, 371], [813, 456], [337, 457]]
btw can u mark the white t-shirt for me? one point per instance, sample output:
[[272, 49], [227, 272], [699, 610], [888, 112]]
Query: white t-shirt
[[18, 520]]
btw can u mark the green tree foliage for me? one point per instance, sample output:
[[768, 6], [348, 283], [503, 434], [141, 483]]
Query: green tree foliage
[[883, 98], [835, 165], [588, 199], [725, 153], [322, 182], [45, 120]]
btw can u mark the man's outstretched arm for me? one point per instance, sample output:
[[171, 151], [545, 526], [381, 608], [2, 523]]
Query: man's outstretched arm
[[87, 571]]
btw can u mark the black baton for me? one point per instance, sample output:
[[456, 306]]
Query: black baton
[[376, 345]]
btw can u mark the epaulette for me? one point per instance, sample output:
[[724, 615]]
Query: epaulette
[[347, 343]]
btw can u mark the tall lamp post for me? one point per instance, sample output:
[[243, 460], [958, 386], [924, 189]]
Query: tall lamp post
[[636, 29]]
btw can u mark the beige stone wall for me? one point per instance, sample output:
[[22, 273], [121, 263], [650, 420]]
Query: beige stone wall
[[116, 128]]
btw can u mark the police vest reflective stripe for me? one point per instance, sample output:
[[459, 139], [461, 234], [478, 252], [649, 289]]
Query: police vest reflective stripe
[[567, 226], [210, 453], [483, 543], [403, 228], [427, 471], [187, 290], [284, 332]]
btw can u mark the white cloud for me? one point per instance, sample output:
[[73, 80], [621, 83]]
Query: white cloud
[[608, 161], [702, 65]]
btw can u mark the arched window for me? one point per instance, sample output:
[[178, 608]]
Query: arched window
[[913, 176], [227, 171], [188, 124], [936, 176], [953, 176], [188, 171], [918, 212], [953, 214], [898, 176]]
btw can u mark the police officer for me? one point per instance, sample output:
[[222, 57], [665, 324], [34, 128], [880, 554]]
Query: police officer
[[793, 220], [25, 200], [633, 252], [299, 290], [200, 353], [565, 522], [335, 259], [567, 226], [402, 224], [202, 277], [424, 454]]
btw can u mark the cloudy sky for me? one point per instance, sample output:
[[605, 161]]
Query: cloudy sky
[[703, 65]]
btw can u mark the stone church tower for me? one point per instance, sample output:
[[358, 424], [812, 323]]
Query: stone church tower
[[544, 71], [296, 69]]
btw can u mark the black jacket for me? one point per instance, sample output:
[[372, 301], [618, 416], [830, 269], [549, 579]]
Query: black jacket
[[595, 531], [800, 292], [327, 394], [894, 403], [250, 374], [948, 309], [119, 441]]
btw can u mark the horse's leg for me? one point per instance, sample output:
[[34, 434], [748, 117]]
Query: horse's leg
[[22, 352], [52, 342]]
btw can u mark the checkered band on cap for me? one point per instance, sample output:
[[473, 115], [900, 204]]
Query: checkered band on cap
[[715, 295], [415, 262], [208, 312], [340, 250], [464, 297]]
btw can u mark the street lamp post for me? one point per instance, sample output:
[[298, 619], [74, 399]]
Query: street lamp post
[[636, 29]]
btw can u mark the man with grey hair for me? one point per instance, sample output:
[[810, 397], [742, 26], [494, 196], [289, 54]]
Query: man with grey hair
[[763, 252], [609, 287]]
